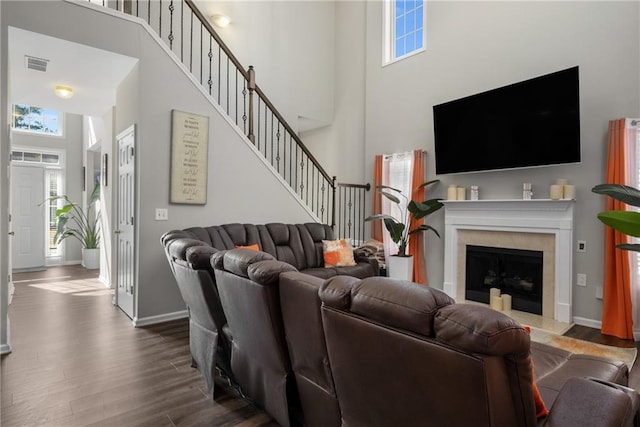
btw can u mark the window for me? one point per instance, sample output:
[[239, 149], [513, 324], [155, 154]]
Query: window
[[404, 33], [54, 188], [37, 120]]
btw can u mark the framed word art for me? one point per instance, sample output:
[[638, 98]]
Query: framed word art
[[189, 158]]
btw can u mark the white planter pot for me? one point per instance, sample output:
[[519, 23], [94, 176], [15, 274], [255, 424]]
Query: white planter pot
[[400, 267], [91, 258]]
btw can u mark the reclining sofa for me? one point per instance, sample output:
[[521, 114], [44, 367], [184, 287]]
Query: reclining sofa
[[189, 253], [383, 352]]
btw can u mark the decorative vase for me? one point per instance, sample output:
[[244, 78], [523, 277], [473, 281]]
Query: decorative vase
[[91, 258], [401, 267]]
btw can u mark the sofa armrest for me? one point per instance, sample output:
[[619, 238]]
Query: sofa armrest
[[588, 402], [360, 256]]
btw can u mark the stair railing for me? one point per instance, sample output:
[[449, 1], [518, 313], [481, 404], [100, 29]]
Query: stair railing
[[190, 36]]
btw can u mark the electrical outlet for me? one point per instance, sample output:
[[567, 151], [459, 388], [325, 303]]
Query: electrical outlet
[[582, 246], [162, 214], [582, 279], [599, 292]]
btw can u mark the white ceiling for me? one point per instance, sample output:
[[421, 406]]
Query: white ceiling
[[94, 74]]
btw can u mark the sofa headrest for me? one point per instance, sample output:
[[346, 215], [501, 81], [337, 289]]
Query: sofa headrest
[[195, 252], [279, 232], [268, 272], [241, 262], [397, 303], [479, 329]]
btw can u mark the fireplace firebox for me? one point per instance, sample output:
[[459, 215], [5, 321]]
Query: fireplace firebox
[[515, 272]]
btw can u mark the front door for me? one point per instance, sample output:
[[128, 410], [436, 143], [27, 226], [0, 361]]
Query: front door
[[27, 218], [125, 248]]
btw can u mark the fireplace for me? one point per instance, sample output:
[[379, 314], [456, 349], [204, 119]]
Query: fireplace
[[536, 225], [515, 272]]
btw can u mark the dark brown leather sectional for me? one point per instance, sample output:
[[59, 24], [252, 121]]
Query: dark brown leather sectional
[[382, 352], [189, 254]]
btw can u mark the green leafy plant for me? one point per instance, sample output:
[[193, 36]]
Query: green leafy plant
[[399, 226], [74, 222], [626, 222]]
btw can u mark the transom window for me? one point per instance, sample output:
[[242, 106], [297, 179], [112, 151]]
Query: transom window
[[404, 29], [44, 121]]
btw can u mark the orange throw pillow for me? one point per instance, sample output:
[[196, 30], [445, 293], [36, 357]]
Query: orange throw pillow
[[337, 253], [254, 247], [541, 408]]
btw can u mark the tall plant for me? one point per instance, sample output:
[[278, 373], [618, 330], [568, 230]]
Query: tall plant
[[626, 222], [399, 225], [75, 222]]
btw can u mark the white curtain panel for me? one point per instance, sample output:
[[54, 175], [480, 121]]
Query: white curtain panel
[[397, 169]]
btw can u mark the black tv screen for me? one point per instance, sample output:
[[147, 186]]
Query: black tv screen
[[532, 123]]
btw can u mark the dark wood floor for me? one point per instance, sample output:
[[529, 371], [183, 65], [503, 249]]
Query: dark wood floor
[[77, 360]]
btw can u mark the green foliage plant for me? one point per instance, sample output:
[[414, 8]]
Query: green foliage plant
[[626, 222], [399, 225], [74, 222]]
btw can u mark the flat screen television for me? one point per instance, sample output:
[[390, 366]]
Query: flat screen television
[[532, 123]]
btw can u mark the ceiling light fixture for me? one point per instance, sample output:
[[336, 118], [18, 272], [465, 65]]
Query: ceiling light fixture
[[64, 92], [220, 20]]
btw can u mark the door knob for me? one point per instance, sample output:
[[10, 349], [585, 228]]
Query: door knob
[[116, 232], [12, 233]]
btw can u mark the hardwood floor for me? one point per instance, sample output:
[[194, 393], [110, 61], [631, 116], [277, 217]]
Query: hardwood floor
[[77, 360]]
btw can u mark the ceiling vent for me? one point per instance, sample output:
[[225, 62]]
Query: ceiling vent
[[33, 63]]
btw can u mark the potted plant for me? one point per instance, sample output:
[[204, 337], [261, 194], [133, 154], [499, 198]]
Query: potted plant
[[84, 226], [626, 222], [399, 225]]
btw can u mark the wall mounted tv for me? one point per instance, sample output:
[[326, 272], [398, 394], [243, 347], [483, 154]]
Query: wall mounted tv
[[532, 123]]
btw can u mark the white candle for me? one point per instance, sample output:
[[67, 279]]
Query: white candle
[[569, 192], [452, 192], [496, 303], [556, 191], [494, 292], [462, 193], [506, 302]]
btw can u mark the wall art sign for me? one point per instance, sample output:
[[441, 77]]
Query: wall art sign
[[189, 158]]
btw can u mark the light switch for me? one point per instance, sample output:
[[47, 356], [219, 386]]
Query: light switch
[[162, 214]]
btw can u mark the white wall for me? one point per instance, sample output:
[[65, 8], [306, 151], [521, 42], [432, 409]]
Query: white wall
[[240, 187], [71, 144], [290, 45], [477, 46]]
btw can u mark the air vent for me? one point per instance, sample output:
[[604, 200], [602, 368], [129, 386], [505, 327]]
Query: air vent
[[33, 63]]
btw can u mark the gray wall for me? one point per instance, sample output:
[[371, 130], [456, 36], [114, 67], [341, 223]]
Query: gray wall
[[240, 187], [71, 143], [477, 46]]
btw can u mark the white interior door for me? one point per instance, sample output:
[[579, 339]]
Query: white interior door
[[27, 218], [125, 248]]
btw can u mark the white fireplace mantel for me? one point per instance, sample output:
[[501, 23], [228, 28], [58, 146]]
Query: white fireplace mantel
[[524, 216]]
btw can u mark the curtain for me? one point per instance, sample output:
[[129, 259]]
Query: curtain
[[397, 170], [376, 226], [617, 316], [416, 242]]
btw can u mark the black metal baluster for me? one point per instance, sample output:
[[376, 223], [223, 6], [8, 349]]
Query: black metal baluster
[[278, 148], [219, 70], [200, 52], [160, 19], [149, 12], [244, 106], [182, 32], [227, 85], [171, 9], [210, 55], [191, 45]]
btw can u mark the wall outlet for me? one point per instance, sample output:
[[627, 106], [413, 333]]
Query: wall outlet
[[599, 292], [582, 279], [162, 214], [582, 246]]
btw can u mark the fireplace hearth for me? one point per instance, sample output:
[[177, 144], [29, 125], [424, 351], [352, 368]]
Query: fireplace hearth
[[516, 272]]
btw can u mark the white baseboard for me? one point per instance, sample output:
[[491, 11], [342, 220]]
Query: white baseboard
[[582, 321], [152, 320], [5, 349]]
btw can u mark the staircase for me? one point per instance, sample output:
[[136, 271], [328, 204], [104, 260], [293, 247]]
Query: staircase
[[192, 39]]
